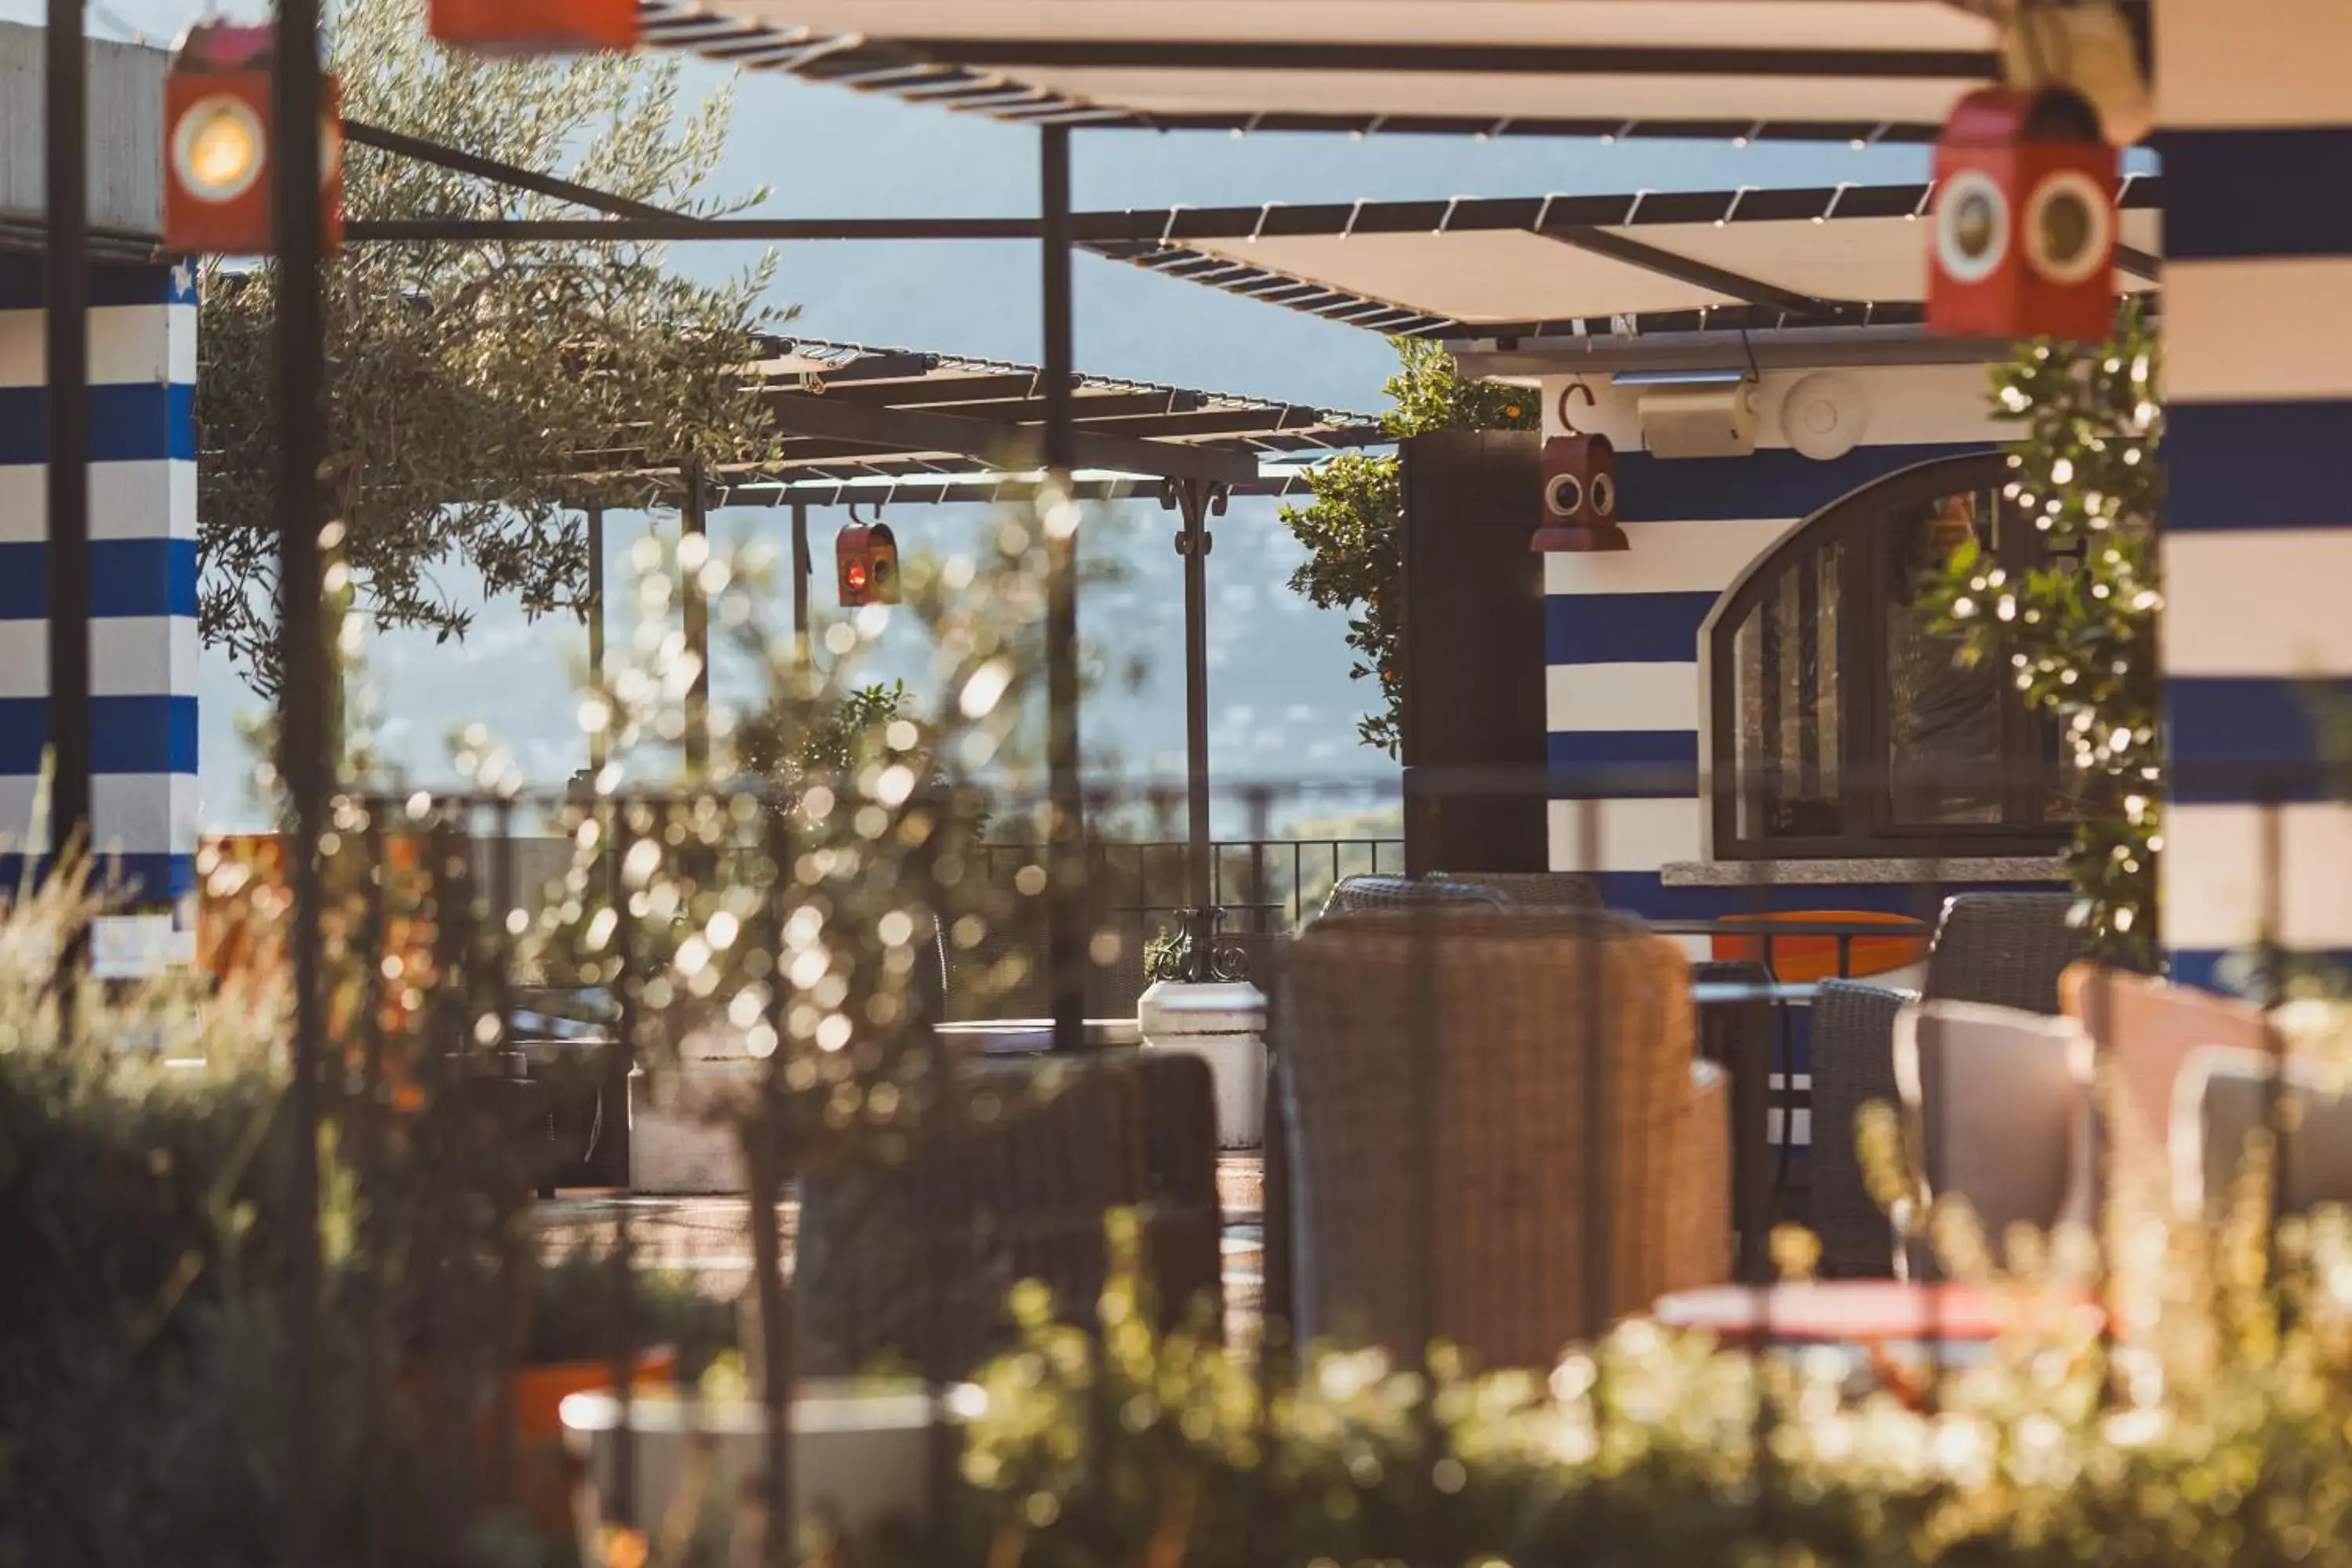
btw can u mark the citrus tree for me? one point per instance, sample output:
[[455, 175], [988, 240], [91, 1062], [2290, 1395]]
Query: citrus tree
[[1353, 528], [2079, 635]]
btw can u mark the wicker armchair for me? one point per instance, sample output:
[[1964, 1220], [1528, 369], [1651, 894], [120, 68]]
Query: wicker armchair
[[1371, 894], [2005, 950], [914, 1262], [1462, 1152], [1539, 892], [1854, 1064]]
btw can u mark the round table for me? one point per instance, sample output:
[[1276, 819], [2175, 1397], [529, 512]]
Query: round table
[[1895, 1329], [1866, 1311]]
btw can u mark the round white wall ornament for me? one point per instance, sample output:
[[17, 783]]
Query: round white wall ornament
[[1824, 415]]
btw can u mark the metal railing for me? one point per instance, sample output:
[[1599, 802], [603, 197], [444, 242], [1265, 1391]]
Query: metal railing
[[1259, 888]]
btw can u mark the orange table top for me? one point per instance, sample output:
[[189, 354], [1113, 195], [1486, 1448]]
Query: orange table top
[[1804, 956]]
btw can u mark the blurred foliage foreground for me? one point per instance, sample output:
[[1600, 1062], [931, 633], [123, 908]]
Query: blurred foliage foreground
[[148, 1158], [143, 1411], [2211, 1426]]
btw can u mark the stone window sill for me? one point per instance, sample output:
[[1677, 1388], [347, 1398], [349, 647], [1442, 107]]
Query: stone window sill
[[1851, 873]]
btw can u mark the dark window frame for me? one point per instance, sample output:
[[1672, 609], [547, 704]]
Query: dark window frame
[[1855, 525]]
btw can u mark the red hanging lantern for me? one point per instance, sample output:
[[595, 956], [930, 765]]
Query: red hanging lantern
[[853, 566], [2023, 239], [536, 26], [1579, 488], [866, 561], [217, 143]]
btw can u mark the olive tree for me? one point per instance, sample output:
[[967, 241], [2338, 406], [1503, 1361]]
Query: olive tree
[[478, 392]]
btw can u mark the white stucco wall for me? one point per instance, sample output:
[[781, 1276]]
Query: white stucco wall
[[1621, 661]]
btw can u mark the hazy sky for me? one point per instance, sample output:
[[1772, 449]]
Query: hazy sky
[[829, 151]]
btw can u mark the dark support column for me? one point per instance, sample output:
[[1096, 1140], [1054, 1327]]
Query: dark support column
[[693, 524], [1065, 925], [1193, 542], [801, 583], [600, 742], [67, 294], [302, 761]]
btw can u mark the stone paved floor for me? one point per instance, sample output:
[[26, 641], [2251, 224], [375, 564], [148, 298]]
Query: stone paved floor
[[712, 1237]]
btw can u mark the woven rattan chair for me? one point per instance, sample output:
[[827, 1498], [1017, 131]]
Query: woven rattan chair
[[1371, 894], [1851, 1069], [914, 1261], [1539, 892], [1466, 1148], [2005, 949]]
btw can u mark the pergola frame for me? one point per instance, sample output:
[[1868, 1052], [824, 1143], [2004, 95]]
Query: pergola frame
[[963, 74], [978, 75], [869, 430], [1593, 223], [917, 70], [985, 76]]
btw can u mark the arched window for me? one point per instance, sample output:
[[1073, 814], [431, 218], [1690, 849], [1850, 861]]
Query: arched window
[[1838, 723]]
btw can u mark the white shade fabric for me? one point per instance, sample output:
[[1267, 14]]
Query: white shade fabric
[[1479, 62]]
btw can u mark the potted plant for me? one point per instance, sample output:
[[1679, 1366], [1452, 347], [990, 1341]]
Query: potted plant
[[567, 1345]]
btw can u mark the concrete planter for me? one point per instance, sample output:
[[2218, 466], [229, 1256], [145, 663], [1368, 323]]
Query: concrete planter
[[1224, 1023], [858, 1451]]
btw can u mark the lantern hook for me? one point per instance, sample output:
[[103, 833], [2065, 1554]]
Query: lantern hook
[[868, 522], [1567, 424]]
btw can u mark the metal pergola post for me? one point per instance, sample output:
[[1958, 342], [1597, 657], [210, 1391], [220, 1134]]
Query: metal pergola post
[[1066, 876], [694, 522], [68, 332], [800, 583], [296, 112], [1193, 499], [600, 742]]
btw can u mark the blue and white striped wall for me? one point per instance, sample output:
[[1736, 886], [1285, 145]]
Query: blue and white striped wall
[[143, 489], [1623, 695], [2255, 111]]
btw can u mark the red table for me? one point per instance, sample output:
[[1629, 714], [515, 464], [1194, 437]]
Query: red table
[[1879, 1318]]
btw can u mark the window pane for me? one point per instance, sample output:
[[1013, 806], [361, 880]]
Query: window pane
[[1808, 805], [2063, 780], [1943, 719], [1785, 686], [1748, 704], [1829, 699]]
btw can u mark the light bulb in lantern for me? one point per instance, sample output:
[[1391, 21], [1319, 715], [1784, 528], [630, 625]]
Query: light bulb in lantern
[[217, 149]]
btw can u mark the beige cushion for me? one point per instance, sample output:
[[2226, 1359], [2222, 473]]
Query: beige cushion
[[2146, 1028], [2002, 1097], [2223, 1096]]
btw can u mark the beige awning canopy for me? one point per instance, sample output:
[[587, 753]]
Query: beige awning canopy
[[1586, 267], [1867, 69]]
